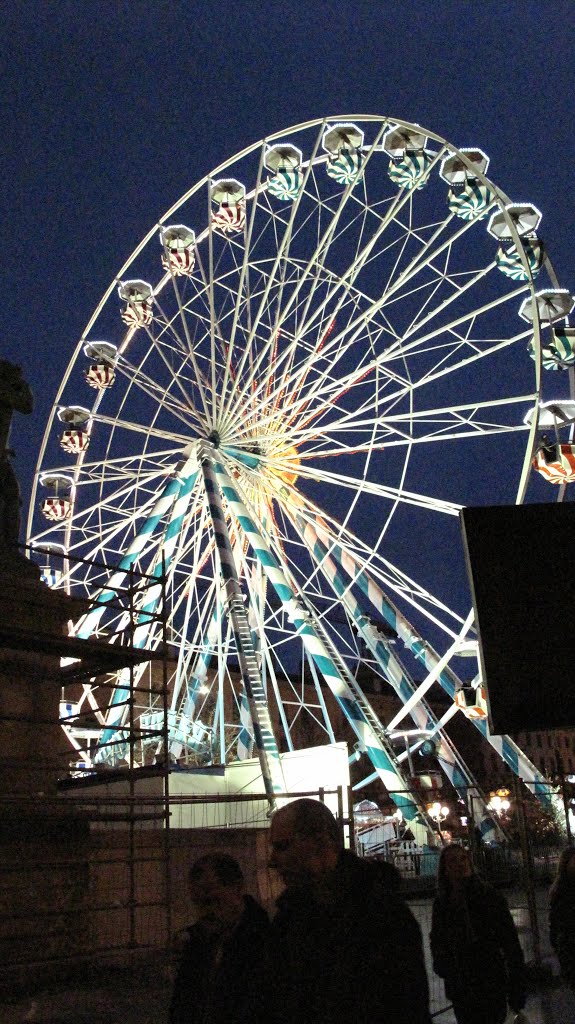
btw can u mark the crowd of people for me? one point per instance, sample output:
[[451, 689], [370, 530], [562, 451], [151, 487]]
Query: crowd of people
[[343, 946]]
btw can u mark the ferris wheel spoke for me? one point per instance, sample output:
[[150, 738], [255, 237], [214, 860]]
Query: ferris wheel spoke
[[200, 380], [281, 254], [353, 329], [427, 254], [435, 424], [253, 320], [467, 317], [159, 346], [380, 490], [327, 393], [242, 288], [160, 395], [317, 257], [458, 291], [297, 377], [146, 430], [362, 256]]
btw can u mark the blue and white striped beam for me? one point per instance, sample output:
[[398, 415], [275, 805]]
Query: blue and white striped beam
[[197, 680], [265, 741], [317, 649], [89, 622], [118, 709], [423, 652], [245, 744], [422, 715]]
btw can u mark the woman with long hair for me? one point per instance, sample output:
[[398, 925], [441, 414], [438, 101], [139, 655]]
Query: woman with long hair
[[474, 943], [562, 915]]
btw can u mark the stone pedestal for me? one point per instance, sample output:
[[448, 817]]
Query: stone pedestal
[[43, 843], [33, 749]]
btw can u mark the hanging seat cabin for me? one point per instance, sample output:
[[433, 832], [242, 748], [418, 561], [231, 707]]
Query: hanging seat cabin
[[286, 178], [57, 506], [409, 161], [471, 202], [101, 373], [179, 255], [549, 305], [472, 701], [138, 298], [509, 262], [49, 573], [342, 142], [555, 462], [559, 354], [228, 196], [76, 436], [525, 219], [459, 169]]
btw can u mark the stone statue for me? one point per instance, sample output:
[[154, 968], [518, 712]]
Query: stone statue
[[15, 396]]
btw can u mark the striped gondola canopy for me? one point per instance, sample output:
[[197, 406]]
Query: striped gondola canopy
[[344, 168], [75, 441], [410, 171], [471, 202], [179, 255], [137, 314], [509, 261], [286, 183], [56, 509], [100, 376], [230, 217], [560, 353], [556, 463]]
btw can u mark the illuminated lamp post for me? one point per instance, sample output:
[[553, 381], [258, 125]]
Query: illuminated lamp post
[[439, 813], [499, 802]]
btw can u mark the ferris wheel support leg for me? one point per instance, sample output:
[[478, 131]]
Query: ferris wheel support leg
[[316, 648], [186, 477], [147, 613], [422, 651], [453, 765], [263, 732], [194, 685]]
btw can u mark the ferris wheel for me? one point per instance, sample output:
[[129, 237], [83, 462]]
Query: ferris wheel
[[309, 365]]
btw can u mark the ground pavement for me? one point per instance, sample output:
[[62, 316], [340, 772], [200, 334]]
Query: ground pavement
[[110, 995]]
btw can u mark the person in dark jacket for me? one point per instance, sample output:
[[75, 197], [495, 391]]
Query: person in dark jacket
[[349, 950], [225, 970], [474, 943], [562, 915]]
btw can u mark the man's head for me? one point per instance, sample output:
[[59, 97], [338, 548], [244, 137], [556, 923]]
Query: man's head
[[305, 843], [217, 892]]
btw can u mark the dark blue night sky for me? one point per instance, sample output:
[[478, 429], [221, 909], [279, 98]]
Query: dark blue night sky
[[112, 110]]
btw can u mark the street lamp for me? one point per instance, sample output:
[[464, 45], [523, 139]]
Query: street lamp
[[499, 802], [438, 812]]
